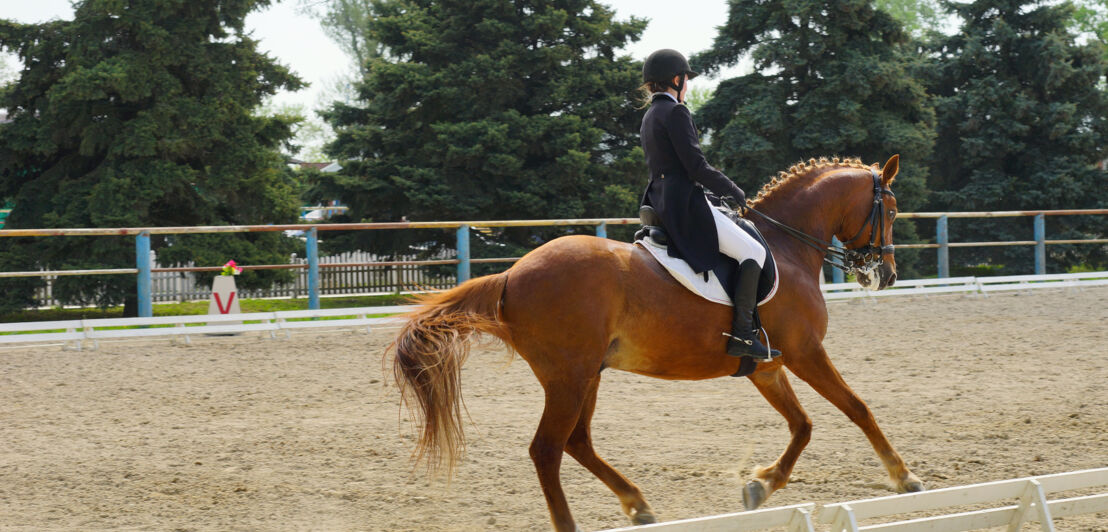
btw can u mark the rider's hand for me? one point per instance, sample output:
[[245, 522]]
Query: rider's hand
[[739, 198]]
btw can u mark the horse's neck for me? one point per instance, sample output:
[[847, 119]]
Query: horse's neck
[[814, 210]]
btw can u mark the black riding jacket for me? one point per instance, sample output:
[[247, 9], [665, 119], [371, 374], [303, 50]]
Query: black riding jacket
[[676, 164]]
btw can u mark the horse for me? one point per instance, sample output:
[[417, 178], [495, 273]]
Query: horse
[[579, 305]]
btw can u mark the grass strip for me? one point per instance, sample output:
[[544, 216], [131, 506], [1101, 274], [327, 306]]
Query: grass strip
[[201, 307]]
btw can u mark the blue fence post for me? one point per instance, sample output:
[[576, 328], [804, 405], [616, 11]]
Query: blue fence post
[[463, 254], [837, 275], [602, 230], [142, 262], [942, 238], [1040, 244], [313, 269]]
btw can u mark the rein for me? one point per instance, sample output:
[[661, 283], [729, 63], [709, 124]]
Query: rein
[[851, 261]]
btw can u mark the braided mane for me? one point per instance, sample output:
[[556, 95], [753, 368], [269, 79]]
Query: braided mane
[[788, 180]]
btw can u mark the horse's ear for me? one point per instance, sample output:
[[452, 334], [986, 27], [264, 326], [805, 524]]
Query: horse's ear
[[888, 173]]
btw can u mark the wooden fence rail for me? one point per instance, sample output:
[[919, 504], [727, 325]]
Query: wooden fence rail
[[313, 282]]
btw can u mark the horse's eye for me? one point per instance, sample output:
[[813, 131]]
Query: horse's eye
[[892, 214]]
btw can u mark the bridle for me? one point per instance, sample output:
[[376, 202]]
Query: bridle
[[864, 259]]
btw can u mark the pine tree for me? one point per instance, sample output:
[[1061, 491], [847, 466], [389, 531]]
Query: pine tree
[[831, 79], [918, 17], [141, 114], [1021, 119], [490, 109]]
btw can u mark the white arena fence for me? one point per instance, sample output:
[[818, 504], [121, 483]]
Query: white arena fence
[[795, 518], [970, 285], [78, 333], [82, 334], [355, 280], [1030, 495]]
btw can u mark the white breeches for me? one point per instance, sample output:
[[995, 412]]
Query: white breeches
[[736, 243]]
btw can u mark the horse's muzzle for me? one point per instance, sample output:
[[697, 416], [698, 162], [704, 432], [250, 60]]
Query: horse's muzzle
[[887, 273]]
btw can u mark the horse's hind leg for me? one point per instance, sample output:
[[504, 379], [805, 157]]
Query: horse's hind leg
[[774, 386], [564, 401], [816, 369], [580, 448]]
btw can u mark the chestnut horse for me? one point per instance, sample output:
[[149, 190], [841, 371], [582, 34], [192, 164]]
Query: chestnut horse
[[579, 304]]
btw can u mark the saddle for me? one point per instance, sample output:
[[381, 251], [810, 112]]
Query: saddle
[[652, 236], [710, 285]]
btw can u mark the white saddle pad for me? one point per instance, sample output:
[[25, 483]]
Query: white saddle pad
[[712, 289]]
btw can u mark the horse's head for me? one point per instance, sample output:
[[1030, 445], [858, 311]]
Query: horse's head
[[867, 229]]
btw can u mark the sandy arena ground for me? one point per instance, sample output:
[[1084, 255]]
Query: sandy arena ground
[[304, 434]]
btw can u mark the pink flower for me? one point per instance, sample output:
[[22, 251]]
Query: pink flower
[[230, 268]]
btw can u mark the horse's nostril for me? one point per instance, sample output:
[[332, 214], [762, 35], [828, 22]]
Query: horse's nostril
[[892, 280]]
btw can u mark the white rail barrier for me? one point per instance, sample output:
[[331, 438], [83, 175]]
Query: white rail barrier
[[1026, 282], [901, 288], [79, 333], [14, 329], [980, 285], [1031, 495], [797, 518]]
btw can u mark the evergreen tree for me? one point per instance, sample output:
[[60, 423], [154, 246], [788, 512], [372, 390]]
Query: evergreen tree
[[1021, 122], [141, 114], [489, 109], [918, 17], [831, 79]]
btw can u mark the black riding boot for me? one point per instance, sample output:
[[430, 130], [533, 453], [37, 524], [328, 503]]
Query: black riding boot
[[744, 293]]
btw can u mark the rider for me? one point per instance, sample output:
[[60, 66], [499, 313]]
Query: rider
[[698, 232]]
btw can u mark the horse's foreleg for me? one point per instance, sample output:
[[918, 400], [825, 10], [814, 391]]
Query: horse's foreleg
[[774, 386], [580, 447], [559, 417], [818, 372]]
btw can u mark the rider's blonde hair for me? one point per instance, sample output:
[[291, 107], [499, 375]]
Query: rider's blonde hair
[[645, 93]]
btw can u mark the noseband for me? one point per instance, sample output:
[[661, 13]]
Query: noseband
[[864, 259]]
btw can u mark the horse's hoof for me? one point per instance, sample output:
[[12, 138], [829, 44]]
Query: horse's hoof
[[754, 494], [912, 487], [643, 517], [910, 484]]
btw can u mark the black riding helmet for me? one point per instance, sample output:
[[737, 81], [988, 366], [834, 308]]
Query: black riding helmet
[[665, 64]]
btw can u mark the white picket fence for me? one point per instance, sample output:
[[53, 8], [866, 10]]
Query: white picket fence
[[1030, 495], [82, 334], [349, 279]]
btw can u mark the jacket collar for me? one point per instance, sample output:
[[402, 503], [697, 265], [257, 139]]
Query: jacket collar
[[657, 95]]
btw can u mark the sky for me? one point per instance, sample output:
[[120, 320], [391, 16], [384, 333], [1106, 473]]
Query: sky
[[298, 42]]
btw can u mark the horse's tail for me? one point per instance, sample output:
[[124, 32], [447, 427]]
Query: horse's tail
[[429, 353]]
